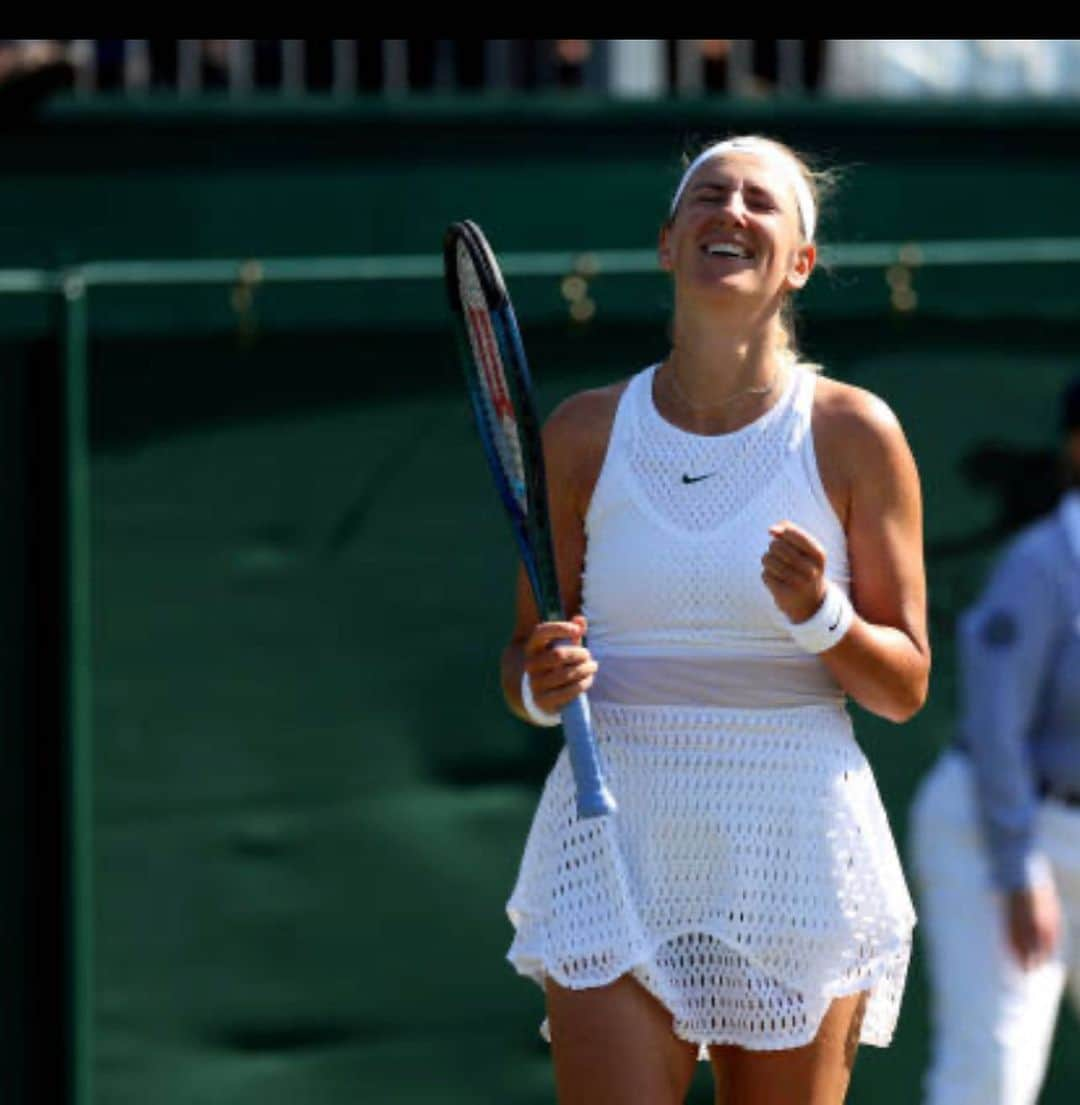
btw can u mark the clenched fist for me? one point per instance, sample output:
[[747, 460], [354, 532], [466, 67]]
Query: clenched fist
[[793, 569]]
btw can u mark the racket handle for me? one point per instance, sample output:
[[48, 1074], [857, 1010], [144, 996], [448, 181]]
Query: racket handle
[[593, 797]]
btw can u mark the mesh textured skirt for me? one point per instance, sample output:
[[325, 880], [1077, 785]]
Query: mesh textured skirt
[[748, 878]]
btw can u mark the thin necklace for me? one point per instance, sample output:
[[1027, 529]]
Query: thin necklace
[[674, 376]]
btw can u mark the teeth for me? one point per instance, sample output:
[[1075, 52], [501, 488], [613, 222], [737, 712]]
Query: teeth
[[726, 249]]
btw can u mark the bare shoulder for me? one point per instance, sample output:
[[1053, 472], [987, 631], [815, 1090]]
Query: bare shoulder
[[851, 422], [859, 442], [586, 413], [576, 437], [581, 425], [842, 409]]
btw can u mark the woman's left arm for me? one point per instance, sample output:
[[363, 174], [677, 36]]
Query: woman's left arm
[[883, 661]]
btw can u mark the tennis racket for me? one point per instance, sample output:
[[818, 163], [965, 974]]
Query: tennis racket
[[500, 392]]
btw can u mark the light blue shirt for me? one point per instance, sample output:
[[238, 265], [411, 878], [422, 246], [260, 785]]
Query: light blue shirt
[[1019, 656]]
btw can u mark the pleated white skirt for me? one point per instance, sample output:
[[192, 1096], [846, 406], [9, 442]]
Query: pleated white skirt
[[748, 878]]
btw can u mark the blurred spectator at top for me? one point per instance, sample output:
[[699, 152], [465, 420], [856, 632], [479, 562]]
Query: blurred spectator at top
[[754, 67], [30, 70], [953, 67]]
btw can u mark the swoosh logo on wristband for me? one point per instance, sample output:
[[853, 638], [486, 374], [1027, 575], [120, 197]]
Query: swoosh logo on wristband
[[835, 623], [696, 479]]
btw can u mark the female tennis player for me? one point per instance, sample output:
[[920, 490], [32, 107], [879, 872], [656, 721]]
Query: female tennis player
[[742, 538]]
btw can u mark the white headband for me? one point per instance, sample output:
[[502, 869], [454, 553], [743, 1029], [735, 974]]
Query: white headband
[[760, 148]]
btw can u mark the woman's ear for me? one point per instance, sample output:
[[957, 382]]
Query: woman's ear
[[802, 266]]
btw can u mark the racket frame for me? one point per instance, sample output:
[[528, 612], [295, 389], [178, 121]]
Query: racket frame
[[531, 523]]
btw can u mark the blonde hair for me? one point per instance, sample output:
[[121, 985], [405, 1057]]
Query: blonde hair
[[822, 183]]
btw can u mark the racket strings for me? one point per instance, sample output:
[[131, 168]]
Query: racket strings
[[498, 407]]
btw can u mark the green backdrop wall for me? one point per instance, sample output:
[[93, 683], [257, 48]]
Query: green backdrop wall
[[309, 802]]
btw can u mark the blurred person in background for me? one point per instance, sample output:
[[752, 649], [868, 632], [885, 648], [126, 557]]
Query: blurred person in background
[[996, 824]]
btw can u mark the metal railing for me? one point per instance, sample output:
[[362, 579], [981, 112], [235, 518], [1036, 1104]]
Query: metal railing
[[619, 68], [611, 262], [625, 68]]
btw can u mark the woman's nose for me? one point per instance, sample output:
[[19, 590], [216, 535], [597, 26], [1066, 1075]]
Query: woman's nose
[[734, 204]]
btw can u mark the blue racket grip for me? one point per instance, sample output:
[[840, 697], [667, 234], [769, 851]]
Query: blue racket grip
[[593, 797]]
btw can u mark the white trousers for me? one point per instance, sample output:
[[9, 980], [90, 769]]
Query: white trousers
[[992, 1022]]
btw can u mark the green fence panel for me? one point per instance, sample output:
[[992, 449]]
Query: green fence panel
[[235, 179]]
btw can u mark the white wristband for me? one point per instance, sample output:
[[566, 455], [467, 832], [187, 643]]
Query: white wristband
[[828, 625], [539, 717]]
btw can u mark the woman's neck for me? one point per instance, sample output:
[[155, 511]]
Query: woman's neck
[[717, 379]]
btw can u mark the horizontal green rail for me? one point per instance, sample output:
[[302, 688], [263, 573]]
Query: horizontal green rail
[[28, 281], [614, 262]]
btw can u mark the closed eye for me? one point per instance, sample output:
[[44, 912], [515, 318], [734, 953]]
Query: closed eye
[[758, 199], [761, 200], [712, 194]]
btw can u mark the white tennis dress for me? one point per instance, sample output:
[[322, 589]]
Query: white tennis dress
[[749, 876]]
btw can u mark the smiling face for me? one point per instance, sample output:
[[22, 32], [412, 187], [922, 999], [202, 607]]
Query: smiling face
[[736, 234]]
